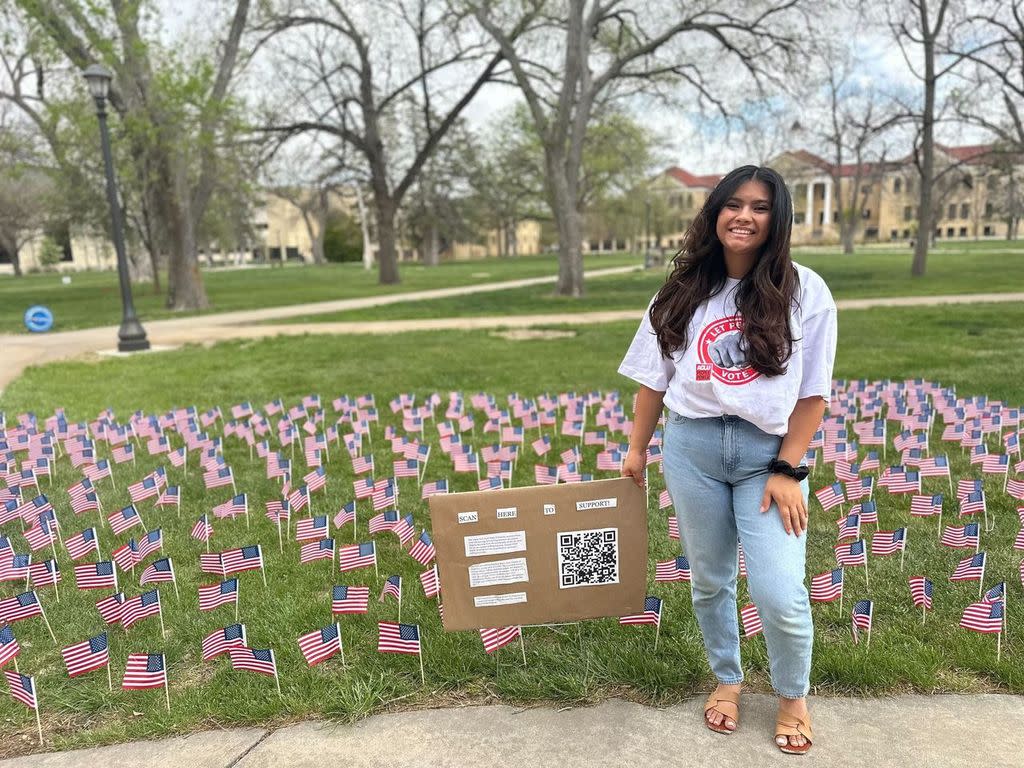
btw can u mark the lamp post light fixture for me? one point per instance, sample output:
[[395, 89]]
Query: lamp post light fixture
[[131, 337]]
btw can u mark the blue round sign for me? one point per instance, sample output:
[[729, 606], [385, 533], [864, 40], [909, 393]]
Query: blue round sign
[[38, 319]]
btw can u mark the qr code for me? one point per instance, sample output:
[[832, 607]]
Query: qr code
[[588, 558]]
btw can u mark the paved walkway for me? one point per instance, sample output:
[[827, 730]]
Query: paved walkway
[[23, 350], [910, 731]]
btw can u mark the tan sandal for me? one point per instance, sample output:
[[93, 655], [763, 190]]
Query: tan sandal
[[789, 725], [726, 702]]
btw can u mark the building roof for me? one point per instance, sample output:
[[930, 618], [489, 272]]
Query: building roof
[[691, 180]]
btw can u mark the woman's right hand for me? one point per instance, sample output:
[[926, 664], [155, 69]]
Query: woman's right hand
[[634, 464]]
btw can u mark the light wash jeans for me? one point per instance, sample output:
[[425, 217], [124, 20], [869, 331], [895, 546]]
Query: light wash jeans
[[716, 470]]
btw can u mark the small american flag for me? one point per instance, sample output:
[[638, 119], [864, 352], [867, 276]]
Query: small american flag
[[171, 497], [218, 478], [849, 526], [398, 638], [259, 660], [138, 608], [316, 550], [242, 559], [853, 553], [320, 644], [498, 637], [234, 507], [937, 466], [423, 550], [962, 536], [830, 496], [676, 569], [651, 613], [973, 503], [430, 582], [383, 521], [111, 607], [868, 511], [921, 591], [146, 488], [888, 542], [213, 595], [862, 614], [45, 573], [827, 586], [393, 587], [983, 616], [126, 556], [347, 514], [202, 530], [143, 671], [970, 568], [41, 535], [926, 506], [404, 530], [123, 519], [347, 599], [541, 445], [433, 488], [751, 620], [545, 475], [23, 688], [87, 655], [312, 528], [357, 556], [150, 543], [157, 571], [315, 480], [23, 606], [9, 647], [220, 640]]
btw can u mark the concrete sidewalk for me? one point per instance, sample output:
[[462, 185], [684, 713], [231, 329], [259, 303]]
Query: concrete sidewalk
[[23, 350], [909, 731]]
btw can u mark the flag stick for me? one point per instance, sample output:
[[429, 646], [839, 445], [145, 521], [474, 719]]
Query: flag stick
[[423, 677], [280, 541], [167, 692], [657, 634], [110, 678], [46, 621], [522, 645], [341, 646], [981, 581], [867, 582], [999, 644], [39, 723], [869, 638], [277, 681], [263, 571], [15, 660], [940, 522], [236, 600], [163, 632], [903, 551], [924, 613], [399, 605]]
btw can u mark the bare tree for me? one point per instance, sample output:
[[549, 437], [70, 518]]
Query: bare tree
[[920, 28], [359, 70], [580, 52], [178, 163]]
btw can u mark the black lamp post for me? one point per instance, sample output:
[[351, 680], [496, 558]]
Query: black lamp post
[[131, 337]]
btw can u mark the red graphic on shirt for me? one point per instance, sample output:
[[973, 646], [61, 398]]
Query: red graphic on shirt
[[720, 346]]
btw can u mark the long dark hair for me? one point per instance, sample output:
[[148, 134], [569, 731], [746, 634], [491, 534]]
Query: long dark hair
[[764, 296]]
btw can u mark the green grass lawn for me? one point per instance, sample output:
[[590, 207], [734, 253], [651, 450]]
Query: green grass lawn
[[971, 347], [93, 298], [952, 269]]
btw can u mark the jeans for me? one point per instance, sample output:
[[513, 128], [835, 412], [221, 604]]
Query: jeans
[[715, 471]]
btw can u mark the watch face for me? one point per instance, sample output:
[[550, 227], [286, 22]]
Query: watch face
[[800, 473]]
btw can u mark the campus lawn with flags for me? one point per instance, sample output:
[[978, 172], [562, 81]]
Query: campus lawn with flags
[[298, 599]]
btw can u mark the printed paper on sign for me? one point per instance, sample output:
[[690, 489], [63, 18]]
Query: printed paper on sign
[[490, 601], [588, 558], [549, 509], [596, 504], [495, 543], [508, 571]]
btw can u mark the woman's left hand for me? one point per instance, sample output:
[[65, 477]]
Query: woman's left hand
[[787, 495]]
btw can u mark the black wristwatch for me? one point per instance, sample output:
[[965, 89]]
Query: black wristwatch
[[781, 467]]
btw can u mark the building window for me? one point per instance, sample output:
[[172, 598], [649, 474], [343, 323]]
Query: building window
[[894, 234], [989, 231], [292, 254], [896, 184], [951, 211], [906, 234], [963, 231], [989, 210], [274, 254], [950, 231], [866, 213], [908, 213], [965, 210], [938, 232], [798, 217], [871, 233], [865, 189]]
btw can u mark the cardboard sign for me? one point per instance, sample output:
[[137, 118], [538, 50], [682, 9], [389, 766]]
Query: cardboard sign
[[542, 554]]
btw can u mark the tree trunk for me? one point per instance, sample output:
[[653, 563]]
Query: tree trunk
[[433, 256], [15, 261], [924, 212], [847, 237], [387, 256]]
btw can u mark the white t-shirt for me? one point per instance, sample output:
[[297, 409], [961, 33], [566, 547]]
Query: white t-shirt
[[711, 378]]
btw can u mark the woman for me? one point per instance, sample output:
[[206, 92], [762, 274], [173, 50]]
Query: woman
[[739, 345]]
